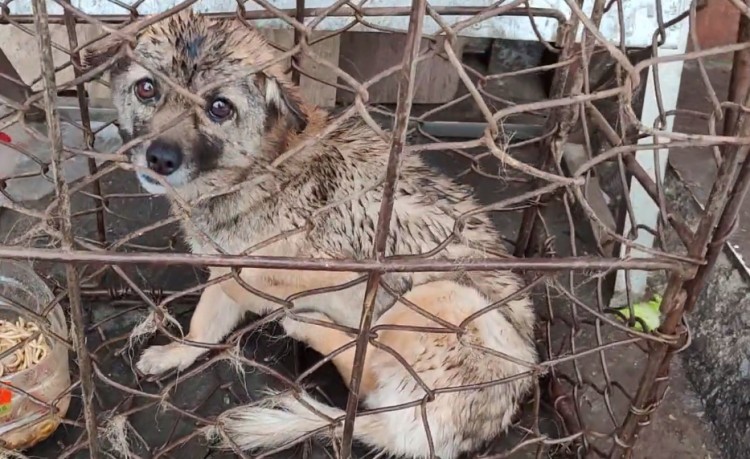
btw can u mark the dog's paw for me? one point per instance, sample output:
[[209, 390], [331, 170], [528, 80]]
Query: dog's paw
[[159, 359], [298, 329]]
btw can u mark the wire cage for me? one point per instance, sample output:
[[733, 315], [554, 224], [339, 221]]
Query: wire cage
[[572, 175]]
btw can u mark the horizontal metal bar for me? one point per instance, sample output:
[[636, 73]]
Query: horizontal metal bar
[[344, 11], [475, 130], [387, 265]]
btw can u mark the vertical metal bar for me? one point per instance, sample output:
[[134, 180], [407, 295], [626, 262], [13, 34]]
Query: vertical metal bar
[[297, 356], [297, 58], [88, 135], [557, 89], [44, 42], [563, 119], [403, 110]]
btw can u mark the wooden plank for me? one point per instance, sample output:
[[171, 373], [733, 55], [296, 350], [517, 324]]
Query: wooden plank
[[366, 54], [314, 91], [321, 94]]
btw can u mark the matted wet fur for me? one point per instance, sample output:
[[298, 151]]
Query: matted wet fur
[[246, 122]]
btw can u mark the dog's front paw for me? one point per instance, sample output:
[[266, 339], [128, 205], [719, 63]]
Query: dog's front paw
[[299, 329], [159, 359]]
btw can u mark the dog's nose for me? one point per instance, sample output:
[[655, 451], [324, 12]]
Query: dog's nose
[[163, 157]]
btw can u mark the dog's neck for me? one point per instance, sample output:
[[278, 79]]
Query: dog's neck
[[282, 134], [217, 216], [250, 199]]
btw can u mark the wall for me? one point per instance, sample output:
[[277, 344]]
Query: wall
[[717, 24]]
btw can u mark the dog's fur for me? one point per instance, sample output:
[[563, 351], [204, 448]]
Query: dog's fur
[[340, 172]]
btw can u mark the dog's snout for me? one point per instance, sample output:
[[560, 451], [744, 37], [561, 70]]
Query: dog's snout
[[163, 157]]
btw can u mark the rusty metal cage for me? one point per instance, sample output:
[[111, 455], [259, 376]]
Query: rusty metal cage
[[116, 270]]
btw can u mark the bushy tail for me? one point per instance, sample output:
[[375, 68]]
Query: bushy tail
[[282, 420]]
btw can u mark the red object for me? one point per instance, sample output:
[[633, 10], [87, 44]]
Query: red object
[[6, 396], [5, 138]]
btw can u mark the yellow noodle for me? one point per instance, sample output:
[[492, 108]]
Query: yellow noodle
[[11, 334]]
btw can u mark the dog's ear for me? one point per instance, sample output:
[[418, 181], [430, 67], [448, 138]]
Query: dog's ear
[[283, 101], [104, 49], [100, 52]]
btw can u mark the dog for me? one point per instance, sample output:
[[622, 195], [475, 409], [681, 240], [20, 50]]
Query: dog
[[246, 116]]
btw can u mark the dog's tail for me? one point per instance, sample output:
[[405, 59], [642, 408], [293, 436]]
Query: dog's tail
[[284, 419]]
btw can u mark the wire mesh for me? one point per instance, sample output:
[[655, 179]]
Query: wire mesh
[[128, 280]]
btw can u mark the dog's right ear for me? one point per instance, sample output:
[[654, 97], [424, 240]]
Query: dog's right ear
[[100, 52], [104, 49], [283, 101]]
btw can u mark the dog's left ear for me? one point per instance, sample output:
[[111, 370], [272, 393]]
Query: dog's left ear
[[283, 101]]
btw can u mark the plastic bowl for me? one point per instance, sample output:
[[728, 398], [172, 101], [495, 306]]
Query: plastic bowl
[[28, 398]]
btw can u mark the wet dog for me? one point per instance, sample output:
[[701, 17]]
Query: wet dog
[[241, 116]]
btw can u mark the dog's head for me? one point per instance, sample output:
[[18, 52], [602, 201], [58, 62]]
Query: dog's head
[[221, 121]]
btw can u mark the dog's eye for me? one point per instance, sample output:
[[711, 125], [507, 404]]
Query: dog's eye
[[145, 89], [220, 109]]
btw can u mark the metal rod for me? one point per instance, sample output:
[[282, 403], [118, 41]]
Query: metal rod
[[559, 86], [311, 264], [475, 130], [88, 134], [345, 11], [299, 15], [78, 328], [398, 140]]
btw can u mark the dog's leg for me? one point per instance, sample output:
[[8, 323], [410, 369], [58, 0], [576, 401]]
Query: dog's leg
[[214, 317], [326, 341]]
